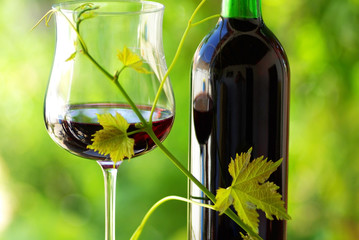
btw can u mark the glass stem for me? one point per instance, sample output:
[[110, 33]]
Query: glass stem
[[110, 175]]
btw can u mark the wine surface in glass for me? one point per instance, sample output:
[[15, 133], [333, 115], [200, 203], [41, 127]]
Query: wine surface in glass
[[74, 132]]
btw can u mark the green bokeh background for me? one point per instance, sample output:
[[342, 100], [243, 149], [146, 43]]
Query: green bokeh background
[[46, 193]]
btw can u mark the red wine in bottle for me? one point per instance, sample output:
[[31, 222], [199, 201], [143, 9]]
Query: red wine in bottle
[[74, 132], [240, 99]]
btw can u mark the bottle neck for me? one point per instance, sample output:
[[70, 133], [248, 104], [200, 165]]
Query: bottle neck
[[241, 8]]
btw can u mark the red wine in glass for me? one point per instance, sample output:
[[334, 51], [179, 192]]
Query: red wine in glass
[[74, 132]]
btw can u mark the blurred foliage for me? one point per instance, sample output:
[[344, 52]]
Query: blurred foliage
[[46, 193]]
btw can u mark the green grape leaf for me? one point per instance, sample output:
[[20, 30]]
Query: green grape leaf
[[113, 138], [132, 60], [73, 55], [249, 190]]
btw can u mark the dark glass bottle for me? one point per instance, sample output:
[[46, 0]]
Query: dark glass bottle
[[240, 99]]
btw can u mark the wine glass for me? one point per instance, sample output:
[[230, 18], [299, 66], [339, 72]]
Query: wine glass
[[88, 78]]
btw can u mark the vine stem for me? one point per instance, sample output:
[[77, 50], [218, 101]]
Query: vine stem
[[139, 229], [209, 194], [180, 46], [113, 78]]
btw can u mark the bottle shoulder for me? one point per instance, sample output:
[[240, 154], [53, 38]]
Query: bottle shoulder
[[245, 41]]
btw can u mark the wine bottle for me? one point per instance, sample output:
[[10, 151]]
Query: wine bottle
[[240, 99]]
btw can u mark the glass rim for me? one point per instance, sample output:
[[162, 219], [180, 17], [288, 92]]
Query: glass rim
[[156, 6]]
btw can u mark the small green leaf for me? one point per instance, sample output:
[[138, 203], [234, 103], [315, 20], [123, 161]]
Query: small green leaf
[[113, 138], [132, 60], [88, 15], [71, 57], [250, 191]]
